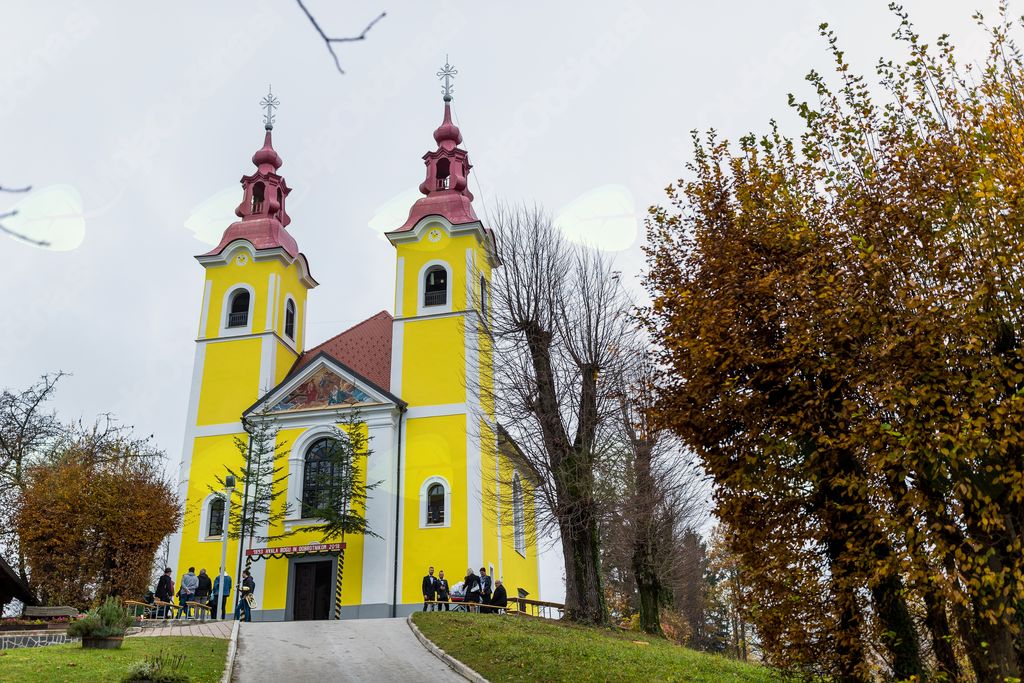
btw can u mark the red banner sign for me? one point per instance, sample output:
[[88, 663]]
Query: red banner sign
[[296, 549]]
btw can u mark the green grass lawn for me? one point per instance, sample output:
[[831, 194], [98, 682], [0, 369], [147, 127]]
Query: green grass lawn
[[204, 660], [505, 648]]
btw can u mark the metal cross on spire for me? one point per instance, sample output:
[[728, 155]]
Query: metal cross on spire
[[447, 73], [270, 103]]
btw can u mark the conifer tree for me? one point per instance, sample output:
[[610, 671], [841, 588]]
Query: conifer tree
[[340, 482], [259, 482]]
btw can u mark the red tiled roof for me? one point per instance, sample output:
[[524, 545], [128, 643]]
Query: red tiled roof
[[365, 347]]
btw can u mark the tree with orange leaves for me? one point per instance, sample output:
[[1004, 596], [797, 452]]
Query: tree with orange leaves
[[840, 319], [91, 519]]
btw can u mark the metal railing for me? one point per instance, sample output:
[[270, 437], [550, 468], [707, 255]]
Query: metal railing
[[442, 183], [238, 319], [438, 298]]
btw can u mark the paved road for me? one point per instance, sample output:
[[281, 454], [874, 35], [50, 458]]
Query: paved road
[[350, 650]]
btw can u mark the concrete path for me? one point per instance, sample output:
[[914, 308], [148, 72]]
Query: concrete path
[[350, 650], [208, 629]]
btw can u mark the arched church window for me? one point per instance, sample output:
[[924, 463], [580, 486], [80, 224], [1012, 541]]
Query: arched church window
[[258, 191], [317, 476], [443, 172], [435, 504], [435, 293], [280, 201], [289, 319], [215, 517], [518, 515], [238, 313]]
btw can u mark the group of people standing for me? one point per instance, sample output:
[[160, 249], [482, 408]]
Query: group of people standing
[[480, 590], [199, 588]]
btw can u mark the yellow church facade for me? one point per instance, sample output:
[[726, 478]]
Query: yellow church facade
[[416, 378]]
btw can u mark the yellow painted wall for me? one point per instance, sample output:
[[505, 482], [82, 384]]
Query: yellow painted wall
[[256, 274], [209, 455], [518, 570], [434, 361], [435, 446], [231, 372]]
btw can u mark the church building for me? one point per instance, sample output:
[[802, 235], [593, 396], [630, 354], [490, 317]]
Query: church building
[[413, 376]]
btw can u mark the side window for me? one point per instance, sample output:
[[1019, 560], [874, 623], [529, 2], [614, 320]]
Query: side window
[[518, 515], [435, 290], [483, 297], [215, 525], [289, 319], [238, 312], [435, 504]]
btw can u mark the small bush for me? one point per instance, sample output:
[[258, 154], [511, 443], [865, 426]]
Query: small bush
[[157, 669], [108, 620]]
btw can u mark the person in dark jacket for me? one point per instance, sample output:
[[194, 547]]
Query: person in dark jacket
[[499, 600], [486, 589], [429, 589], [164, 591], [443, 591], [471, 585], [248, 588], [204, 587]]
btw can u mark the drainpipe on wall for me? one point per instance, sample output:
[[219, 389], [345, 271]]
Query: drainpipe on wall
[[398, 513]]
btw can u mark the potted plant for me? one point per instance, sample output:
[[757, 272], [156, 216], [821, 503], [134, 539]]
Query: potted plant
[[102, 628]]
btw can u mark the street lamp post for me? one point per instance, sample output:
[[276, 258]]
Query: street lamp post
[[229, 487]]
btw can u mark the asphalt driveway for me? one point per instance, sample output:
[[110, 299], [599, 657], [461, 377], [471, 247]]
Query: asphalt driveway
[[351, 650]]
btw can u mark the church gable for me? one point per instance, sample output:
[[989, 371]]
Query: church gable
[[323, 384]]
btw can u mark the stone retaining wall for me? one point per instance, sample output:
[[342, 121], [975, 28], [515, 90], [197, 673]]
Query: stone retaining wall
[[10, 640]]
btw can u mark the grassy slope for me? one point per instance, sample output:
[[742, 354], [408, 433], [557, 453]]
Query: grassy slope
[[204, 660], [518, 649]]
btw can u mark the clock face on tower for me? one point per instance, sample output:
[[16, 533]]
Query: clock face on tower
[[434, 235]]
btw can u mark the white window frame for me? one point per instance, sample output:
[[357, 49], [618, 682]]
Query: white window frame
[[297, 471], [284, 320], [518, 515], [204, 519], [225, 311], [430, 481], [421, 289]]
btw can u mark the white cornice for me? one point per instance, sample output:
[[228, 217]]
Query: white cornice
[[474, 228], [227, 253]]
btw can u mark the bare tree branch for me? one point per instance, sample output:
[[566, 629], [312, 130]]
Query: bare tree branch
[[329, 42], [18, 235]]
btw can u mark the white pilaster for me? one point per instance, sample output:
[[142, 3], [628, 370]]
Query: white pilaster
[[379, 553]]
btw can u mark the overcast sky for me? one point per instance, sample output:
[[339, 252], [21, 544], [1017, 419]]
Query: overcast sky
[[134, 121]]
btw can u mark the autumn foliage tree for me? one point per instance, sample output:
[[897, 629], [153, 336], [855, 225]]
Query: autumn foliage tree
[[92, 518], [840, 319]]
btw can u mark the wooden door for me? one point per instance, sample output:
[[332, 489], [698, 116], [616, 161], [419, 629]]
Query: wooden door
[[313, 592]]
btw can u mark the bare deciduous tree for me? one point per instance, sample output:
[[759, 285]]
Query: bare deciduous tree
[[660, 496], [27, 432], [558, 322]]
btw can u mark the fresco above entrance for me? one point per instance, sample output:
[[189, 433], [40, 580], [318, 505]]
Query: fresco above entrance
[[323, 389]]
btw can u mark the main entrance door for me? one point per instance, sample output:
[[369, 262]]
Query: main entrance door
[[313, 590]]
